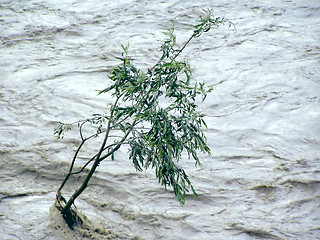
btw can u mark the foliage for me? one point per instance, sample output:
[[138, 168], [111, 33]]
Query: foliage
[[154, 113]]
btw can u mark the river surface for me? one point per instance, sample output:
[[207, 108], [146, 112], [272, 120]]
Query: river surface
[[263, 178]]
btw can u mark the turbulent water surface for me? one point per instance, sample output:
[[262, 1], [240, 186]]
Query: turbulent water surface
[[263, 178]]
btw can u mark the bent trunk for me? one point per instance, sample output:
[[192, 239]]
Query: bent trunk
[[68, 205], [81, 189], [85, 183]]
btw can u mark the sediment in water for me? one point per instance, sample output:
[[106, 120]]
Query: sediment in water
[[85, 229]]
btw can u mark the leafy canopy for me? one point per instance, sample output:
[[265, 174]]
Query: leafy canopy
[[155, 113]]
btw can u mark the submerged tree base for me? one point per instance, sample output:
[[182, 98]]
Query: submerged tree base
[[70, 215], [75, 225]]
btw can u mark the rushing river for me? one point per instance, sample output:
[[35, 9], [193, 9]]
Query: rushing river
[[263, 178]]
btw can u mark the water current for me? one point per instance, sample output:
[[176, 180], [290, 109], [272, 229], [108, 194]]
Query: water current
[[263, 178]]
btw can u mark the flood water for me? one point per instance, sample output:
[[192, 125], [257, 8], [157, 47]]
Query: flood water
[[263, 178]]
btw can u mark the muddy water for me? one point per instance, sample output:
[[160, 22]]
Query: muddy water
[[262, 180]]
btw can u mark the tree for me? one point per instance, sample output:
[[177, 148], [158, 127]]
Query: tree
[[154, 113]]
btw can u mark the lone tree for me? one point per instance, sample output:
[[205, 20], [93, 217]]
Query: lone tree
[[154, 113]]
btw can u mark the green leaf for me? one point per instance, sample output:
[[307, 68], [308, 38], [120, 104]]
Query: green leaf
[[60, 129]]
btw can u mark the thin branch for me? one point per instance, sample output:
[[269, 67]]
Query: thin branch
[[87, 163], [178, 53], [94, 166], [80, 129], [71, 166], [118, 145], [183, 47]]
